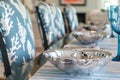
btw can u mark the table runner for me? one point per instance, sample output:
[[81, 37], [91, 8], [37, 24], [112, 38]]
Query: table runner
[[49, 72]]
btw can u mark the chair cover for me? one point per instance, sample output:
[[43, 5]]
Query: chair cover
[[16, 28], [71, 18]]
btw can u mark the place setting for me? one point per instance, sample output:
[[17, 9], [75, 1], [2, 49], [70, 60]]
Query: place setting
[[92, 53]]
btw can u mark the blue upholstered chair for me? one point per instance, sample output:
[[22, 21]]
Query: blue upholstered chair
[[46, 24], [51, 24], [59, 25], [17, 32], [71, 18]]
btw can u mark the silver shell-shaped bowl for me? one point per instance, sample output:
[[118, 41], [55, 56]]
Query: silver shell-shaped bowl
[[78, 62], [89, 37], [98, 28]]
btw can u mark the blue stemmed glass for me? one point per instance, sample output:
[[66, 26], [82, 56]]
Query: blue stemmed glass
[[114, 15], [109, 9]]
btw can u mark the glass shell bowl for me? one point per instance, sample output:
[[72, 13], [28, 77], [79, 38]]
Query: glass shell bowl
[[78, 62], [89, 37]]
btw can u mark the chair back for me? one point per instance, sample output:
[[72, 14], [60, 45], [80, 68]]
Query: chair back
[[17, 33], [71, 18], [59, 25], [51, 24], [46, 24]]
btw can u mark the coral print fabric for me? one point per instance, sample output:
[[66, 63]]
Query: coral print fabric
[[71, 17], [16, 29], [47, 22], [58, 21]]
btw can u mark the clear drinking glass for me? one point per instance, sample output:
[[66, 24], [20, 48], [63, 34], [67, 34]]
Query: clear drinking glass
[[114, 17]]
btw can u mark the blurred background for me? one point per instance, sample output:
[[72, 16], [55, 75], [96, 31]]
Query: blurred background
[[88, 11]]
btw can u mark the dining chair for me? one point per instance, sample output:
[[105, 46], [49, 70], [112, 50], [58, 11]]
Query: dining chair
[[71, 18], [51, 27], [46, 24], [17, 35], [59, 25]]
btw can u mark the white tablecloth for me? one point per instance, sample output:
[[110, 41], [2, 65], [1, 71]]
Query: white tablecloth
[[110, 72]]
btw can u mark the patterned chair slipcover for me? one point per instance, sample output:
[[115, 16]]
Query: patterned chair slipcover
[[16, 28], [58, 21], [71, 18], [50, 33]]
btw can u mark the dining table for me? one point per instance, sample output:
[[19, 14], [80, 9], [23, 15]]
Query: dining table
[[111, 71]]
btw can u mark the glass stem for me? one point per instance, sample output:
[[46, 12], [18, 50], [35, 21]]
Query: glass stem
[[112, 35], [118, 45]]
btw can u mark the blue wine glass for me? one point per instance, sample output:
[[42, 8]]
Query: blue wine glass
[[109, 10], [115, 24]]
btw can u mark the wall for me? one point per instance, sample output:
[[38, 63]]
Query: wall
[[90, 4]]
